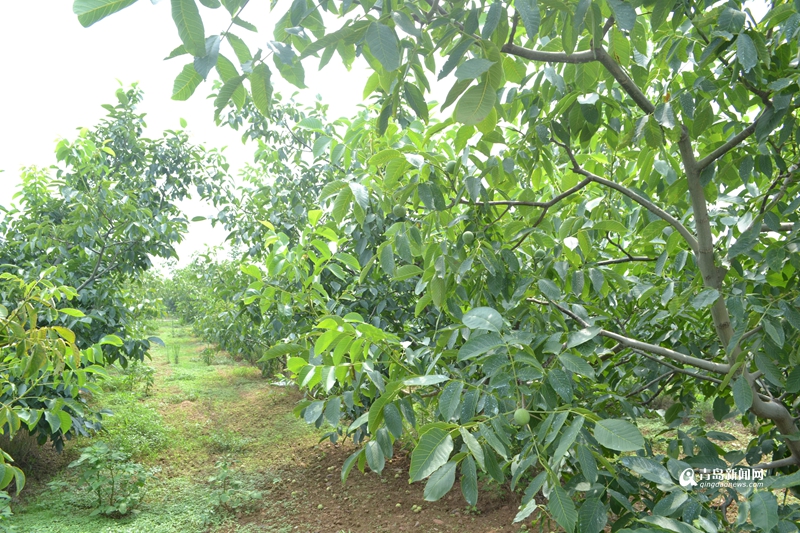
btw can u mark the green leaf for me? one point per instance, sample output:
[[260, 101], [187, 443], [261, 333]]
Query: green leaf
[[349, 463], [383, 45], [618, 435], [416, 100], [431, 452], [72, 312], [405, 23], [421, 381], [393, 420], [261, 88], [592, 516], [190, 26], [226, 93], [333, 411], [281, 350], [113, 340], [53, 421], [475, 104], [664, 115], [567, 439], [530, 492], [406, 271], [473, 68], [483, 318], [576, 364], [588, 464], [561, 383], [775, 331], [186, 82], [562, 508], [576, 338], [64, 333], [745, 242], [746, 52], [375, 458], [670, 524], [91, 11], [492, 20], [341, 204], [624, 14], [529, 14], [479, 345], [66, 421], [549, 289], [449, 399], [705, 299], [387, 259], [474, 446], [661, 10], [313, 411], [742, 394], [648, 469], [440, 482], [469, 481]]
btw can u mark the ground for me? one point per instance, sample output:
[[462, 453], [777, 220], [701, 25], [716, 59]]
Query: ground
[[198, 416]]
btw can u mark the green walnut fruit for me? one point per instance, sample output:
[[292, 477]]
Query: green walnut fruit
[[522, 417], [539, 255], [399, 211], [468, 237], [450, 167]]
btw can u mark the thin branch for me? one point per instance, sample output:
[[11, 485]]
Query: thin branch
[[650, 383], [732, 143], [788, 461], [550, 203], [650, 206], [785, 226], [548, 57], [634, 344], [629, 259], [627, 84], [678, 369]]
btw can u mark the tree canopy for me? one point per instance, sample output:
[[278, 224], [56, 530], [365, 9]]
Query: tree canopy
[[608, 215]]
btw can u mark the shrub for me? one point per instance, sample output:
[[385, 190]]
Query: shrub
[[117, 483]]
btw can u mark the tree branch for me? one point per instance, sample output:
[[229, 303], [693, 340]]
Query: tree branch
[[548, 57], [787, 461], [634, 344], [650, 206], [785, 226], [630, 259], [624, 80], [550, 203], [732, 143]]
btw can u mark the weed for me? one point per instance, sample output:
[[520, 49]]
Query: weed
[[174, 354], [117, 483], [5, 513], [228, 492], [135, 429], [136, 376], [207, 356], [225, 440]]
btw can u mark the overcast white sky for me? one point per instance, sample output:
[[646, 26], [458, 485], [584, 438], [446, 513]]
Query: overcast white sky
[[56, 74]]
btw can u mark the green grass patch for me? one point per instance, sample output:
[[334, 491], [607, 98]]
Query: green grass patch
[[195, 414]]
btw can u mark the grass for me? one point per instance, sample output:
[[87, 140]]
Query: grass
[[195, 415]]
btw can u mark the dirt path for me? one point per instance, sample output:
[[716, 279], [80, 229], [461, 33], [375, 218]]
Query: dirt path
[[197, 417], [245, 418]]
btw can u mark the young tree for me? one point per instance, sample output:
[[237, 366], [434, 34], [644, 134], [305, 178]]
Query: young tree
[[610, 214], [93, 223]]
